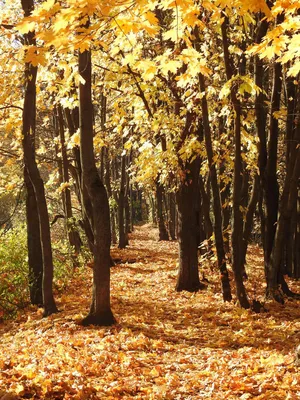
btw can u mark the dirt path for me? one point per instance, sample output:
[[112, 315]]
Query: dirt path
[[166, 345]]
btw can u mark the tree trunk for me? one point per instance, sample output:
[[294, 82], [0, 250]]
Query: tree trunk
[[73, 235], [163, 233], [100, 311], [172, 215], [121, 205], [237, 224], [287, 204], [110, 196], [76, 171], [28, 143], [188, 275], [218, 223], [35, 257]]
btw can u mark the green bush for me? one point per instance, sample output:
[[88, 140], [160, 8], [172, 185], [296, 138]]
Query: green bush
[[14, 289], [14, 293]]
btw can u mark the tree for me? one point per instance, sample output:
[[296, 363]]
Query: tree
[[32, 172], [100, 311]]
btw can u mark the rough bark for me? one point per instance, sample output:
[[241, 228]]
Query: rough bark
[[35, 257], [73, 235], [28, 144], [188, 275], [237, 224], [121, 205], [172, 215], [72, 119], [100, 311], [218, 223], [162, 230]]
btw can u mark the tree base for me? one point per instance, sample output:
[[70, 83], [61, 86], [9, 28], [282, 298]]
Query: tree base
[[192, 289], [244, 303], [275, 294], [286, 290], [226, 290], [49, 311], [227, 296], [104, 319], [258, 307]]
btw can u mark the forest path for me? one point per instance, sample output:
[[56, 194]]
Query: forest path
[[165, 345]]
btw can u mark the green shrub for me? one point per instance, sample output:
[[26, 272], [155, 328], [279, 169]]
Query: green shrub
[[14, 293], [14, 289]]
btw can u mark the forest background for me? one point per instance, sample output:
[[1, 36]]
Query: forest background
[[180, 113]]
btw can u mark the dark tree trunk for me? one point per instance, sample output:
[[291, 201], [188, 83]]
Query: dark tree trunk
[[272, 189], [292, 124], [248, 223], [172, 215], [287, 204], [162, 230], [205, 210], [73, 235], [110, 196], [28, 143], [188, 275], [35, 257], [218, 223], [100, 311], [237, 224], [296, 264], [261, 123], [76, 171], [127, 204], [121, 205]]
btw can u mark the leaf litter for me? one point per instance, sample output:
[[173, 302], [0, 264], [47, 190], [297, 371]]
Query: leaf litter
[[165, 345]]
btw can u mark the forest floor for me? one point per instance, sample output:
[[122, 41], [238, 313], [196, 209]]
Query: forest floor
[[165, 345]]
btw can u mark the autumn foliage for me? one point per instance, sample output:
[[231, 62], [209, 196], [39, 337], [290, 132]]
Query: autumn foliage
[[149, 199]]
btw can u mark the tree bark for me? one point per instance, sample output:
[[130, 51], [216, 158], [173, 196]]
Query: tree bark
[[100, 311], [28, 143], [237, 224], [162, 230], [218, 223], [73, 235], [121, 205], [35, 257], [188, 275]]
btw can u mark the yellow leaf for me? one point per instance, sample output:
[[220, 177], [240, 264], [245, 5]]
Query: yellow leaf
[[26, 26], [170, 66], [150, 16]]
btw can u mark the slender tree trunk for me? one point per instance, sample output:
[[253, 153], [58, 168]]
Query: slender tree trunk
[[272, 189], [261, 123], [172, 215], [163, 233], [218, 223], [73, 235], [28, 142], [205, 210], [121, 205], [107, 178], [35, 257], [127, 205], [287, 204], [249, 217], [100, 311], [76, 171], [237, 225]]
